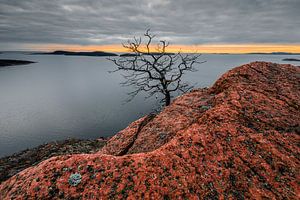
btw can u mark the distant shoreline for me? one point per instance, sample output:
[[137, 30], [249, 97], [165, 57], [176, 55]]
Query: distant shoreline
[[8, 62], [71, 53], [133, 55]]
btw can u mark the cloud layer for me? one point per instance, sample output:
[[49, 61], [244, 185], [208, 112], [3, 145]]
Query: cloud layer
[[181, 22]]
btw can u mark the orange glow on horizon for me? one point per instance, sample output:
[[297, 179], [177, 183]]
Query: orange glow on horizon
[[205, 48]]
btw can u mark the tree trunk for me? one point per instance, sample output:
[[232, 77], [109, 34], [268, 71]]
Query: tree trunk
[[167, 99]]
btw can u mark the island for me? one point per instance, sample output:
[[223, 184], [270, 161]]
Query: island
[[291, 59], [71, 53], [7, 62]]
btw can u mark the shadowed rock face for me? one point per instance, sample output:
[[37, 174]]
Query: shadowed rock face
[[238, 139]]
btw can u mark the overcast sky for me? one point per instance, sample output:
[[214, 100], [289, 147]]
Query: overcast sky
[[87, 22]]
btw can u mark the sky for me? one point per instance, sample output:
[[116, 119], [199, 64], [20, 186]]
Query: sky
[[220, 26]]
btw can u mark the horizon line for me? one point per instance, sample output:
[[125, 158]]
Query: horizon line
[[175, 48]]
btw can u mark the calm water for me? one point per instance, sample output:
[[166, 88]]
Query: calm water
[[63, 97]]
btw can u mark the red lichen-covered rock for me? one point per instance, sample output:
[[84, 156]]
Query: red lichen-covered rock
[[238, 139]]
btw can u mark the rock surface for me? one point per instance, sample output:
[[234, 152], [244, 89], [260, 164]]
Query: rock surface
[[238, 139], [11, 165]]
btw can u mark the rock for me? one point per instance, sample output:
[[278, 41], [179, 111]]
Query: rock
[[7, 62], [291, 59], [11, 165], [238, 139]]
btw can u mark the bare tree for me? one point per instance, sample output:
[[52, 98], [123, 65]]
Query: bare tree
[[149, 68]]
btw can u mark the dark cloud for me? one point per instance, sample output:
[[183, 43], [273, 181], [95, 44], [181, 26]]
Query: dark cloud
[[180, 21]]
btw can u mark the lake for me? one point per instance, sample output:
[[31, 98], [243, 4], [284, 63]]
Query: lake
[[63, 97]]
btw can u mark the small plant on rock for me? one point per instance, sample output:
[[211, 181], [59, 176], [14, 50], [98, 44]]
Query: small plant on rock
[[74, 179]]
